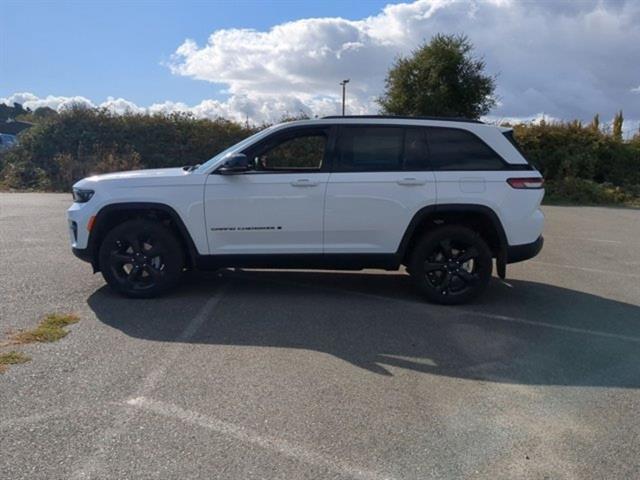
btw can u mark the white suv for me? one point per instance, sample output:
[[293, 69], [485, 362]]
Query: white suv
[[441, 196]]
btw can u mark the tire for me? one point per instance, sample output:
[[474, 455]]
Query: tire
[[451, 265], [141, 259]]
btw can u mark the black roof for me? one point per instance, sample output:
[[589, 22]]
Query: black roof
[[401, 117]]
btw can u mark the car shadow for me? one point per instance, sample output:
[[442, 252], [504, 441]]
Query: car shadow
[[521, 332]]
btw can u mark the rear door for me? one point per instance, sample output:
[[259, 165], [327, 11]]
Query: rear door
[[276, 207], [380, 178]]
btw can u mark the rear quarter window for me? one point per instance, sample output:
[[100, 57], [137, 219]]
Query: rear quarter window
[[512, 140], [457, 149]]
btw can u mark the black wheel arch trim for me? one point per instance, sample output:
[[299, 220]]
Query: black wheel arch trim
[[420, 215], [92, 247]]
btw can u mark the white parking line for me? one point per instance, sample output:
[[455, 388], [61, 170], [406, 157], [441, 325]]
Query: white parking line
[[586, 239], [192, 328], [584, 269], [41, 417], [96, 461], [243, 434], [566, 328]]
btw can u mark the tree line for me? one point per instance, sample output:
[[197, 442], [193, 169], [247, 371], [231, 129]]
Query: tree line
[[583, 163]]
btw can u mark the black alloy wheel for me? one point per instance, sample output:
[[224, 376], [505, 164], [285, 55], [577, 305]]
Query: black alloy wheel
[[141, 258], [451, 265]]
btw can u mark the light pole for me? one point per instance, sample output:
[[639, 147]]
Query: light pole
[[344, 89]]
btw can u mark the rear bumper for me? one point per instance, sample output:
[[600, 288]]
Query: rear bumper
[[519, 253]]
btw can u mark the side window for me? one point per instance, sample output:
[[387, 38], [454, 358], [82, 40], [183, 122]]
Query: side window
[[304, 151], [369, 148], [416, 156], [456, 149]]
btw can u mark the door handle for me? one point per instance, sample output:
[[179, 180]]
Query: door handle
[[411, 181], [303, 182]]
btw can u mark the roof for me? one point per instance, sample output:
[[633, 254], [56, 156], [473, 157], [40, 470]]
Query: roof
[[402, 117]]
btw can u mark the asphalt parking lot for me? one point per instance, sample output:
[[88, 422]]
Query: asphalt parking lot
[[292, 375]]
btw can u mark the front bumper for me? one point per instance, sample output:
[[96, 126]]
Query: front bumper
[[83, 254], [519, 253]]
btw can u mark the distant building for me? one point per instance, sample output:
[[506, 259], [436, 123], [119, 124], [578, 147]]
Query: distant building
[[14, 127], [7, 141], [9, 131]]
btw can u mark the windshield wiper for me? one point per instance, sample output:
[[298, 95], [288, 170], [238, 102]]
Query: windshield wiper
[[190, 168]]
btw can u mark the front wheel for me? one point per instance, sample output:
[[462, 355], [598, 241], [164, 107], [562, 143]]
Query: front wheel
[[451, 265], [141, 259]]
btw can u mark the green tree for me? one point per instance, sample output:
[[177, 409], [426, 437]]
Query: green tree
[[595, 123], [440, 78], [11, 112], [618, 120]]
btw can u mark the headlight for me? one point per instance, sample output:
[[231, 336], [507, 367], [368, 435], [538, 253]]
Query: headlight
[[82, 196]]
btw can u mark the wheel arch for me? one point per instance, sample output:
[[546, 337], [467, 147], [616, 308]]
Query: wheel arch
[[481, 218], [114, 214]]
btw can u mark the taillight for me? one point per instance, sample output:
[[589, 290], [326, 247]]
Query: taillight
[[526, 183]]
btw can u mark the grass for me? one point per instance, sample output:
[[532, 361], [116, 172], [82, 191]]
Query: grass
[[12, 358], [50, 329]]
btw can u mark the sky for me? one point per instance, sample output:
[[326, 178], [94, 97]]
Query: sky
[[261, 60]]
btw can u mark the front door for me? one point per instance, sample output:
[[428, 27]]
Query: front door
[[277, 206]]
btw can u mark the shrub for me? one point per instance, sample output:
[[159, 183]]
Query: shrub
[[561, 150], [61, 149], [580, 163], [586, 192]]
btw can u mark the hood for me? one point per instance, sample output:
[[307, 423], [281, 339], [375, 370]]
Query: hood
[[140, 174], [141, 178]]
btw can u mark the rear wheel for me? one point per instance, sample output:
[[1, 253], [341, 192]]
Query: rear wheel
[[451, 265], [141, 259]]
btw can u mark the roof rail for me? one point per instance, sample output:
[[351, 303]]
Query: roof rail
[[403, 117]]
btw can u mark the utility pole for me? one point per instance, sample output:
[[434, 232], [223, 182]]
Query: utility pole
[[344, 89]]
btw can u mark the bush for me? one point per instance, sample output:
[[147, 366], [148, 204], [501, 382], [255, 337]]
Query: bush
[[561, 150], [60, 150], [581, 164], [587, 192]]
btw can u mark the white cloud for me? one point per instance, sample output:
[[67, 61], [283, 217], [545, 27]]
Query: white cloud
[[256, 108], [533, 119], [121, 106], [168, 107], [29, 100], [566, 59]]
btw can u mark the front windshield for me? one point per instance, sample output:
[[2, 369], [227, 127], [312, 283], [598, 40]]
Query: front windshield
[[238, 146]]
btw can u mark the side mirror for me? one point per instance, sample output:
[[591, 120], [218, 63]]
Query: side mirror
[[236, 163]]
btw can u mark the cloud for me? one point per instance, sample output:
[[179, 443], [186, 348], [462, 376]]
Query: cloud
[[560, 60], [255, 108], [121, 106], [567, 59], [31, 101], [533, 119]]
